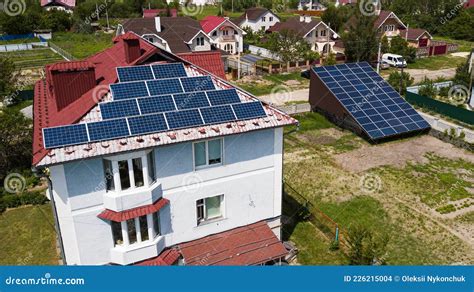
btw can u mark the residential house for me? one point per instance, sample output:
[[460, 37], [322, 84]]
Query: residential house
[[416, 37], [160, 180], [63, 5], [151, 13], [310, 5], [388, 24], [194, 2], [468, 3], [224, 34], [318, 34], [257, 19], [180, 35]]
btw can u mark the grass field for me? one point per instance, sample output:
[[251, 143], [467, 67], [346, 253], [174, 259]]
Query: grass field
[[28, 236], [82, 45], [270, 82], [438, 62], [36, 58], [396, 200], [19, 41]]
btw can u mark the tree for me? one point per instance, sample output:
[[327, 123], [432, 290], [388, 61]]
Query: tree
[[400, 46], [337, 17], [385, 48], [15, 145], [360, 41], [428, 88], [365, 248], [461, 27], [288, 46], [8, 77], [394, 81], [330, 59]]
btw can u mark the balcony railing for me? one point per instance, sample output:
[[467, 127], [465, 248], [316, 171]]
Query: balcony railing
[[227, 38]]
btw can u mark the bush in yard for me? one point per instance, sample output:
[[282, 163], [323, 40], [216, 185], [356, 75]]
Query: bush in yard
[[394, 81], [428, 89], [26, 198], [399, 46], [365, 248]]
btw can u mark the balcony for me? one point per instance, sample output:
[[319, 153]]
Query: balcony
[[128, 199], [228, 38], [137, 252]]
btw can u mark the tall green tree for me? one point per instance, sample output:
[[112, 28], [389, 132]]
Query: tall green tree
[[288, 46], [365, 247], [396, 77], [360, 41]]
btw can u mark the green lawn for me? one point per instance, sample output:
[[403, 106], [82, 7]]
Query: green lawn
[[438, 62], [311, 169], [19, 41], [28, 236], [464, 46], [82, 45], [35, 58]]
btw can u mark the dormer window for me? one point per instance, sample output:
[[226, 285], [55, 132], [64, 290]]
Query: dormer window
[[129, 173]]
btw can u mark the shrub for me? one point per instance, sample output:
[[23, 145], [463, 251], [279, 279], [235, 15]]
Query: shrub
[[27, 198]]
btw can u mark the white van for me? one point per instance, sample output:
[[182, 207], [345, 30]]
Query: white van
[[394, 60]]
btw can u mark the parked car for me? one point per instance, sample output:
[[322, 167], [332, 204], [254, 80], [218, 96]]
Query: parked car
[[394, 60], [383, 65]]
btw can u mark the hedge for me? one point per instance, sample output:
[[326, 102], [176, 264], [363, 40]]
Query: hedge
[[27, 198]]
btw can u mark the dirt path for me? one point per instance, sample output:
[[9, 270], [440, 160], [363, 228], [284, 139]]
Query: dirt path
[[420, 74], [399, 153]]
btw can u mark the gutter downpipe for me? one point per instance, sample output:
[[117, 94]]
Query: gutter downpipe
[[39, 173]]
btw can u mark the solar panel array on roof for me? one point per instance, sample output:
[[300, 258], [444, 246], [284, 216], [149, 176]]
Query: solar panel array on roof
[[372, 102], [133, 112]]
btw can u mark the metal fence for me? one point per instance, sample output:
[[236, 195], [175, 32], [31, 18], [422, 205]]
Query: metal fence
[[440, 107], [21, 47], [60, 51]]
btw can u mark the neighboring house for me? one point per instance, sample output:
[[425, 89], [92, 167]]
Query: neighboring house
[[151, 13], [257, 19], [388, 24], [134, 186], [64, 5], [224, 34], [417, 37], [468, 3], [319, 35], [338, 3], [194, 2], [310, 5], [179, 35]]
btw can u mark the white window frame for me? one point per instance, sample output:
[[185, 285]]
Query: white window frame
[[212, 219], [129, 158], [270, 18], [151, 231], [207, 165], [263, 19]]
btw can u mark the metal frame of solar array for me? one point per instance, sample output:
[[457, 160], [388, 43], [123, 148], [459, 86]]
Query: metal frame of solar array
[[372, 102], [221, 108]]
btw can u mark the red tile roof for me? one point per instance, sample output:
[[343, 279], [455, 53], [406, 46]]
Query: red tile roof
[[45, 111], [413, 33], [73, 65], [247, 245], [469, 4], [209, 23], [210, 61], [133, 213], [166, 258]]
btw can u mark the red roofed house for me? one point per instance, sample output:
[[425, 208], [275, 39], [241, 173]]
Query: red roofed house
[[155, 161], [224, 34], [65, 5], [468, 3], [181, 36]]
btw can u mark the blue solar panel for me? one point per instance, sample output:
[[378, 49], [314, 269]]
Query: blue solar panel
[[191, 100], [110, 129], [147, 124], [170, 70], [134, 73], [128, 90], [373, 103], [217, 114], [119, 109], [220, 97], [164, 86], [64, 136], [199, 83], [156, 104], [183, 119], [249, 110]]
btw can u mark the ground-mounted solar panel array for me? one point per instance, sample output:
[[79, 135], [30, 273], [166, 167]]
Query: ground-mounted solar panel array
[[378, 109], [153, 99]]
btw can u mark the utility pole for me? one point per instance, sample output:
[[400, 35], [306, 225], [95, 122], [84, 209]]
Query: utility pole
[[471, 71], [378, 56], [97, 11], [327, 45]]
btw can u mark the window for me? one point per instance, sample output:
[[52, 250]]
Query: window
[[151, 40], [225, 32], [109, 175], [124, 174], [323, 33], [207, 153], [263, 19], [200, 41], [209, 208], [131, 173], [136, 229], [214, 33], [117, 233], [236, 32], [229, 48], [270, 18], [132, 231]]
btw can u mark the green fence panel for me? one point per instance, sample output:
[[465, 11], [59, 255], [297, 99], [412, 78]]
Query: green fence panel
[[448, 110]]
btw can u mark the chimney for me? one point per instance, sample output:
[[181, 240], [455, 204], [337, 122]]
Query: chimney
[[305, 18], [158, 23], [132, 49], [70, 80]]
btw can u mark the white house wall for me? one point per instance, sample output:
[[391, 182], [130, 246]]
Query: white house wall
[[259, 24], [207, 43], [250, 181]]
